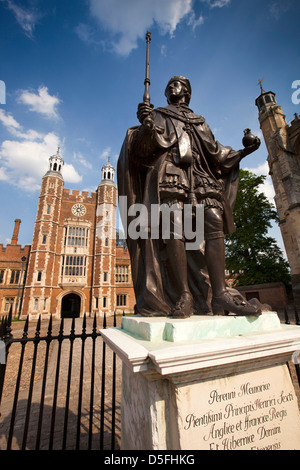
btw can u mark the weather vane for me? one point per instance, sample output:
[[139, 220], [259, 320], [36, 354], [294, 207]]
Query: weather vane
[[260, 84]]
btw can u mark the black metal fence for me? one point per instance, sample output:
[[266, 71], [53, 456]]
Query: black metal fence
[[57, 389], [60, 385]]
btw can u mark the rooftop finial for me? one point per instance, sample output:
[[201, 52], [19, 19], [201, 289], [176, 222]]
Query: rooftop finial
[[260, 84]]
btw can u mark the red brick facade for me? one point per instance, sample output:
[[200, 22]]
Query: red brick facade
[[13, 266], [74, 264]]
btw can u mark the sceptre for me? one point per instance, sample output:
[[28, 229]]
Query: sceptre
[[146, 98]]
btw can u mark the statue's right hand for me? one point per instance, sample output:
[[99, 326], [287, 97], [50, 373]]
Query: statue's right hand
[[144, 111]]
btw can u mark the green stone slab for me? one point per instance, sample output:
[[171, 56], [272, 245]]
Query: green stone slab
[[198, 327]]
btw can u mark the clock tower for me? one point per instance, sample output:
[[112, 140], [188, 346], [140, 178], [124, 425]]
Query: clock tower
[[45, 241]]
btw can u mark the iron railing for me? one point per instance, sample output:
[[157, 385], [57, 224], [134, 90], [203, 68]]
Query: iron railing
[[62, 390], [75, 378]]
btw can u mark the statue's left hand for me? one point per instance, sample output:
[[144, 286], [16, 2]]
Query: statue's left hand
[[247, 150]]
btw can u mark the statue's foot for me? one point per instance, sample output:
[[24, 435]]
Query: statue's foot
[[231, 301], [183, 307]]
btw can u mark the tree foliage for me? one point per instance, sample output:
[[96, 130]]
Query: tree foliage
[[251, 255]]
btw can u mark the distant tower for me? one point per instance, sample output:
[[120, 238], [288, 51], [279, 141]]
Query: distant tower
[[283, 145], [105, 240], [45, 241]]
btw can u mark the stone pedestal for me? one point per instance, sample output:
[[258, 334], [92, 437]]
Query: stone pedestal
[[207, 382]]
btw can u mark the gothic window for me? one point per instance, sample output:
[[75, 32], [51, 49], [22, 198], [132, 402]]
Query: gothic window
[[121, 300], [76, 236], [36, 302], [1, 276], [39, 276], [121, 273], [14, 277], [54, 166], [74, 265], [104, 302], [48, 209], [105, 277], [8, 303], [44, 239]]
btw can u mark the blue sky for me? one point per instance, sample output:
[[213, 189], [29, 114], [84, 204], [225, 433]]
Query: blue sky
[[74, 74]]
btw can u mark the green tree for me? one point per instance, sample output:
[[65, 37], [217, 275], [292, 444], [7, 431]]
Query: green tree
[[251, 255]]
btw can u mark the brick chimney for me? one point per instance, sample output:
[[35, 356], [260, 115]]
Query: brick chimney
[[14, 239]]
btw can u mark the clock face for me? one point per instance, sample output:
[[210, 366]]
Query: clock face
[[78, 209]]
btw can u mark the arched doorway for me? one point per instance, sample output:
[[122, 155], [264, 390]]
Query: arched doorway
[[70, 306]]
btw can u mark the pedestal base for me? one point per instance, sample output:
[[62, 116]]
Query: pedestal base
[[224, 384]]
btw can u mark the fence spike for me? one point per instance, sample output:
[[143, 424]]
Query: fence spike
[[25, 331], [61, 330], [84, 323], [95, 323], [73, 326], [9, 316], [38, 327]]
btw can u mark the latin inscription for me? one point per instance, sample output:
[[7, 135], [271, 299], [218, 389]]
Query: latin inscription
[[253, 415]]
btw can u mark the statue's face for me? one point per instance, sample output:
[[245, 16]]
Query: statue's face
[[175, 92]]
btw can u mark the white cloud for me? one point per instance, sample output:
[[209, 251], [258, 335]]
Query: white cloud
[[40, 102], [16, 129], [278, 8], [70, 174], [86, 33], [127, 21], [3, 175], [217, 3], [24, 162], [8, 120], [105, 154], [81, 159], [25, 17], [194, 22], [267, 187]]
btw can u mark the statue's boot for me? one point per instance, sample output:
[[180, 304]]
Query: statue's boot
[[231, 301], [184, 306]]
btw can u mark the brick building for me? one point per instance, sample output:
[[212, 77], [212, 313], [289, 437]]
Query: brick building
[[13, 266], [74, 266]]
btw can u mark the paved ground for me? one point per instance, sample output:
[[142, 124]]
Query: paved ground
[[8, 393]]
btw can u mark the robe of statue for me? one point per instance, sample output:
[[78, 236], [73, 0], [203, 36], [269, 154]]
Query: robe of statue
[[141, 165]]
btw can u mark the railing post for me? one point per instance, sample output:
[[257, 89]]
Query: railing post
[[6, 337], [102, 388], [297, 315], [286, 315], [113, 405]]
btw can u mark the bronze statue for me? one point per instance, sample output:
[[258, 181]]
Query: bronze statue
[[172, 158]]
